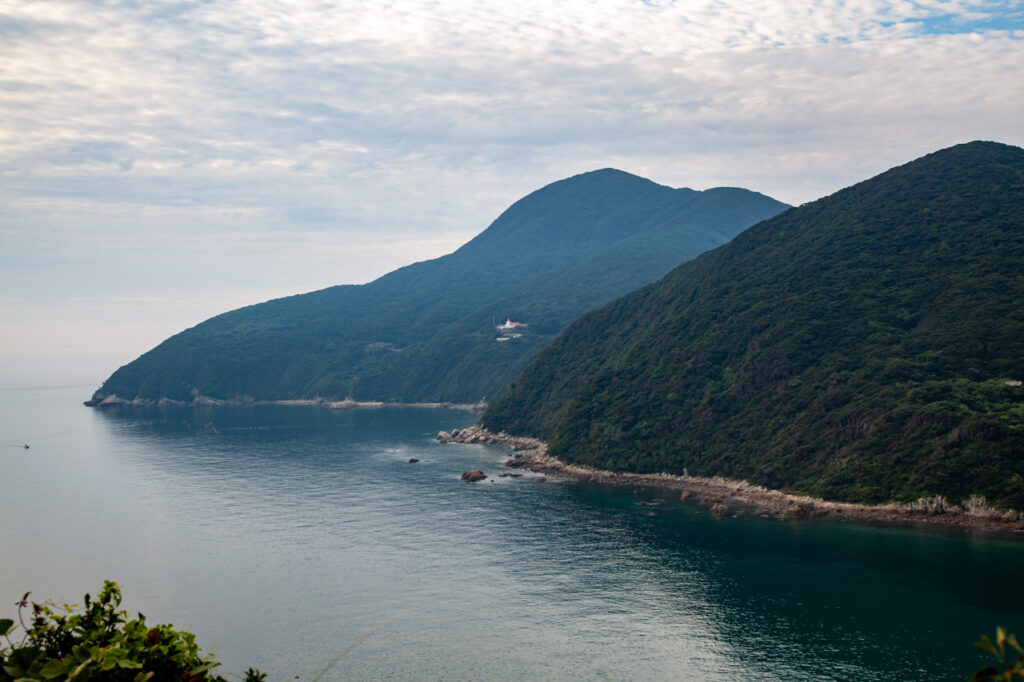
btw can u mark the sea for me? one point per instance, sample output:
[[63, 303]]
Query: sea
[[306, 542]]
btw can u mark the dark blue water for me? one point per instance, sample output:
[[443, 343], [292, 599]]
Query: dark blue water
[[303, 542]]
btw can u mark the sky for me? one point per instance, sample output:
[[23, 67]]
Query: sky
[[162, 162]]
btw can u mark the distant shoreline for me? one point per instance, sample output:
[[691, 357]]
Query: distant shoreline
[[105, 402], [732, 498]]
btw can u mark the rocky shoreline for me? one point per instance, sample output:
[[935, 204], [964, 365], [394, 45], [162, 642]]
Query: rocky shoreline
[[726, 497], [106, 401]]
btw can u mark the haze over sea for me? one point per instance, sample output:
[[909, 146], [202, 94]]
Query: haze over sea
[[303, 541]]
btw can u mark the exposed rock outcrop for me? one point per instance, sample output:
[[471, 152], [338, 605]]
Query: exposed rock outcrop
[[113, 400], [480, 435], [727, 497], [719, 510]]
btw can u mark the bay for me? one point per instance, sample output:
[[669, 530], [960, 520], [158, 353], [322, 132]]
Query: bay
[[302, 541]]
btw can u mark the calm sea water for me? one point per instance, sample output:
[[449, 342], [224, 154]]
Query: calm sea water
[[303, 542]]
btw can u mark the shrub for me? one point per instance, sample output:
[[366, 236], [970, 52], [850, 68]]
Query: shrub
[[98, 642]]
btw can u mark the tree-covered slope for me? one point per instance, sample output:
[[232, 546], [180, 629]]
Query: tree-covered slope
[[425, 332], [864, 347]]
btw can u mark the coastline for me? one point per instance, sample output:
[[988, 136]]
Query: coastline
[[728, 497], [105, 402]]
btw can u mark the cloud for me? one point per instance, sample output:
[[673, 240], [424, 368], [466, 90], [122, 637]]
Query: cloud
[[268, 146]]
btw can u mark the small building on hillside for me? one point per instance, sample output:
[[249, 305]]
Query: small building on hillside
[[510, 330]]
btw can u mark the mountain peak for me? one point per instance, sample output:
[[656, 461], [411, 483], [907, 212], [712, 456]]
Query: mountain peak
[[599, 206], [977, 152], [603, 179]]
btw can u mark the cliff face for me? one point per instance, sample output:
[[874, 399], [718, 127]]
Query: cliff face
[[425, 332], [864, 347]]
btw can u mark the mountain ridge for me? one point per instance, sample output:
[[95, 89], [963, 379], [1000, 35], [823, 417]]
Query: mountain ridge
[[856, 348], [423, 332]]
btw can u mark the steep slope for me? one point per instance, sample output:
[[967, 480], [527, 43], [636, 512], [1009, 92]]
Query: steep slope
[[426, 332], [864, 347]]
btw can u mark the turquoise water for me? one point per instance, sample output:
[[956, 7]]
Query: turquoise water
[[303, 542]]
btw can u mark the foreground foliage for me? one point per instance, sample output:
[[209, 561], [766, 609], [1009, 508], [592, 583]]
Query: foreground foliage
[[99, 642], [1008, 670], [865, 347]]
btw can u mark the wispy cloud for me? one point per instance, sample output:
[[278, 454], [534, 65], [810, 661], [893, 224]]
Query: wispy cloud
[[267, 145]]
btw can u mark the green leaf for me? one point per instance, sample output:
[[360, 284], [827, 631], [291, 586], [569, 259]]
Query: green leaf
[[1012, 641], [25, 656], [6, 625], [13, 670], [986, 644], [985, 674], [53, 669]]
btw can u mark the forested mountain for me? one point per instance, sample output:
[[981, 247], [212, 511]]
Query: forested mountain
[[426, 332], [868, 346]]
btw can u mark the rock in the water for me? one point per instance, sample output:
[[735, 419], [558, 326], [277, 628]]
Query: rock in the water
[[719, 510], [413, 460], [444, 437], [473, 476]]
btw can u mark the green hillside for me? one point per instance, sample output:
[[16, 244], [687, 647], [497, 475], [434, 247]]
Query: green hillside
[[864, 347], [426, 332]]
